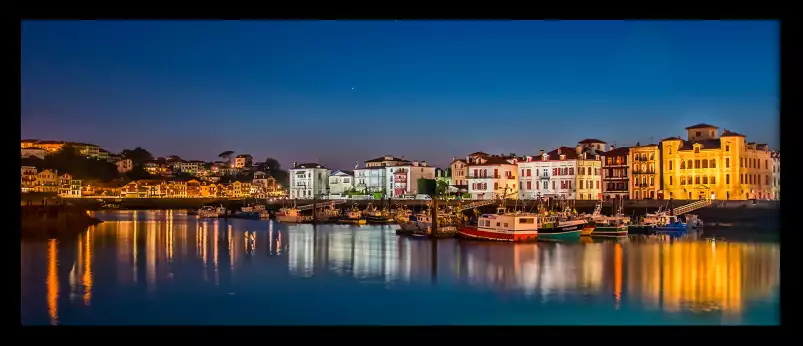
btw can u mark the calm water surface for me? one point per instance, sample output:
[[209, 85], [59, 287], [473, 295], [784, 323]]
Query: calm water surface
[[163, 267]]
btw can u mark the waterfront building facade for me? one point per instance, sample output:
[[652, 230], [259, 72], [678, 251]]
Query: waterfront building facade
[[492, 176], [459, 178], [709, 165], [403, 178], [341, 182], [28, 178], [776, 174], [308, 181], [563, 173], [646, 175], [374, 177], [243, 161], [616, 173]]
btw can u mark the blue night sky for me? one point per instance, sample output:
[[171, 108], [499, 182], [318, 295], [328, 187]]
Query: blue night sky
[[340, 91]]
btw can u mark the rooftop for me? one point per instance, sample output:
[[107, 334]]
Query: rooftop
[[701, 126]]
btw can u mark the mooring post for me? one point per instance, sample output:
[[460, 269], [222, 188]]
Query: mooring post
[[434, 234]]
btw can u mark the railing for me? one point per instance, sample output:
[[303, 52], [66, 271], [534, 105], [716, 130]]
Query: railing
[[492, 176], [692, 206]]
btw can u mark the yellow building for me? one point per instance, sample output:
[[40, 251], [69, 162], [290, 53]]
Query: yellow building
[[708, 165], [47, 181], [646, 172]]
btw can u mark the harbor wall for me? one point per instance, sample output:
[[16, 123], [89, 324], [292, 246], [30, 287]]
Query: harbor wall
[[50, 220]]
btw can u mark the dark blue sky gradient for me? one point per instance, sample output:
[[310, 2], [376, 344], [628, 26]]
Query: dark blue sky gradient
[[427, 90]]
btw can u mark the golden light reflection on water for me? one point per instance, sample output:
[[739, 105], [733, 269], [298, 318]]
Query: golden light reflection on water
[[52, 282], [656, 273]]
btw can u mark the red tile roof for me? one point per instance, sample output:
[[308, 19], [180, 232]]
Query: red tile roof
[[727, 133], [701, 126], [591, 141], [621, 151]]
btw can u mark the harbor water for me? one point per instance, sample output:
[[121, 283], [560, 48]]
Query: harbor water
[[166, 268]]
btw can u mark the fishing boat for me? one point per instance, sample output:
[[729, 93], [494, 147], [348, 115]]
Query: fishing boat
[[670, 224], [402, 215], [610, 226], [209, 211], [373, 215], [352, 216], [551, 227], [503, 226], [264, 214], [328, 213], [291, 215], [419, 235]]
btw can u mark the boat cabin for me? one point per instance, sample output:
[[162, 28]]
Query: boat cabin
[[509, 223]]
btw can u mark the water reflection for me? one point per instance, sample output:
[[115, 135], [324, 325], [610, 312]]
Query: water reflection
[[657, 273]]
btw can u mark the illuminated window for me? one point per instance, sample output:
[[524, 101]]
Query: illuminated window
[[727, 179], [670, 165], [697, 180], [705, 163]]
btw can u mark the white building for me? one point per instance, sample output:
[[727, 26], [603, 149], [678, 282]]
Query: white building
[[491, 176], [404, 178], [38, 152], [308, 181], [568, 173], [124, 165], [776, 175], [341, 182], [191, 167], [374, 176], [69, 187], [242, 161]]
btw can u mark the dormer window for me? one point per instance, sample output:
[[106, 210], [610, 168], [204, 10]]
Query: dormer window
[[562, 157], [596, 157], [543, 158]]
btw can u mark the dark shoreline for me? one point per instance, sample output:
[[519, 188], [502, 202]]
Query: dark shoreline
[[56, 220]]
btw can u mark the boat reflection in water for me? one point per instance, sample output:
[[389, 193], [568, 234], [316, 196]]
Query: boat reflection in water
[[169, 258]]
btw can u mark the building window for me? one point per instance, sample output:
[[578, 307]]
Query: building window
[[688, 164], [553, 185], [571, 171], [727, 162], [766, 164], [682, 164], [696, 149], [682, 180], [697, 164], [727, 148], [741, 163], [597, 184], [697, 180], [705, 163], [727, 179], [529, 185], [670, 165], [768, 180], [713, 163], [652, 156], [698, 134], [705, 180], [741, 178]]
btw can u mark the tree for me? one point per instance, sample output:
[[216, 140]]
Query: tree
[[442, 188], [271, 164], [68, 160], [226, 155], [138, 172], [137, 156], [427, 187]]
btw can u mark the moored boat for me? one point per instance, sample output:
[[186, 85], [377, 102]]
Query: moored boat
[[609, 226], [209, 211], [352, 216], [503, 226], [291, 215], [552, 228], [373, 215], [670, 224]]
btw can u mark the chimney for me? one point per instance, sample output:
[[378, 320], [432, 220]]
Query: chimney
[[423, 163], [295, 164], [541, 152], [468, 158], [453, 158], [613, 146], [415, 163], [579, 149], [558, 150]]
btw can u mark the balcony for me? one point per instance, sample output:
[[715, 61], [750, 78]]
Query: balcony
[[649, 171], [643, 185], [492, 176]]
